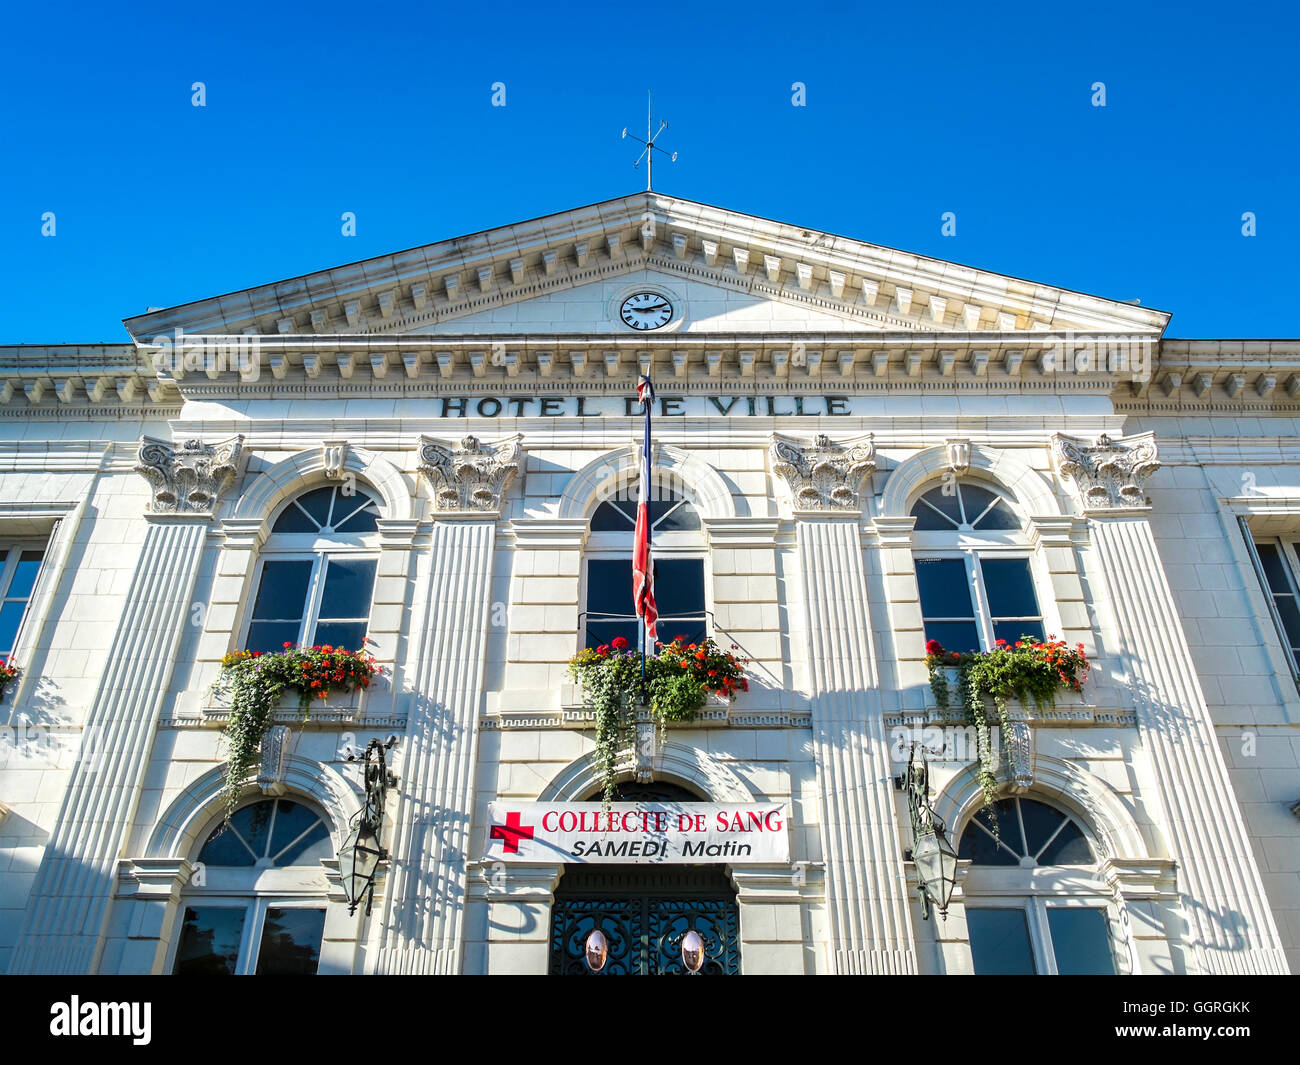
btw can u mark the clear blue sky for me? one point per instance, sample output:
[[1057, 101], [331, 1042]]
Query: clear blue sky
[[979, 109]]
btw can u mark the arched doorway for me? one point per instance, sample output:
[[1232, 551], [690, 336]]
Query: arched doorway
[[645, 910]]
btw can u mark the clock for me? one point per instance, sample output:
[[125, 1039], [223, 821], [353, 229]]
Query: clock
[[646, 310]]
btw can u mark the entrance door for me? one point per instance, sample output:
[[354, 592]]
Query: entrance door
[[645, 910]]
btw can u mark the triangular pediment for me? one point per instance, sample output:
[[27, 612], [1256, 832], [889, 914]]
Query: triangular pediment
[[727, 272]]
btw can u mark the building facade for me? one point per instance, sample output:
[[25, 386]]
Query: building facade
[[856, 449]]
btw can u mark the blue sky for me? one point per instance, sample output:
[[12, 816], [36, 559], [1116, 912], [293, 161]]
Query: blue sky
[[981, 110]]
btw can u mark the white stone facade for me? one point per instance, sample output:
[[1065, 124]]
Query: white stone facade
[[811, 389]]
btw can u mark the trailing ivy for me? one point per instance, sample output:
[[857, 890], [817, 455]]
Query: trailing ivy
[[252, 684], [1028, 669], [675, 686]]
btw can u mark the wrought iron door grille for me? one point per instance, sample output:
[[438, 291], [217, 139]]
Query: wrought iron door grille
[[645, 913]]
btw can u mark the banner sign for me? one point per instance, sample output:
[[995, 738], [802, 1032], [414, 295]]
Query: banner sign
[[651, 832]]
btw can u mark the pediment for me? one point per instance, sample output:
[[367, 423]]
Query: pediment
[[732, 273]]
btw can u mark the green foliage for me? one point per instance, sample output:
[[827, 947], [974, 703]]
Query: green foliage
[[1028, 669], [676, 685], [252, 684]]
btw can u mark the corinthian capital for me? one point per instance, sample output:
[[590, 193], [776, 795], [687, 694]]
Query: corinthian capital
[[1108, 474], [191, 477], [823, 475], [470, 479]]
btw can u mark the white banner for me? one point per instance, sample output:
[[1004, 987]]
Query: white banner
[[649, 832]]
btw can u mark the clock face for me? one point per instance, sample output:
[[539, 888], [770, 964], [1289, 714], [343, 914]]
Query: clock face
[[646, 310]]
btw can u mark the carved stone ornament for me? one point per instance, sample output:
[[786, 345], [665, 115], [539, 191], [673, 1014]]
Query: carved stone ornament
[[823, 475], [334, 457], [644, 748], [958, 456], [1109, 474], [275, 760], [191, 477], [1018, 742], [472, 478]]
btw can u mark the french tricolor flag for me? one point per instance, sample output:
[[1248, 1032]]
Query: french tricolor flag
[[642, 568]]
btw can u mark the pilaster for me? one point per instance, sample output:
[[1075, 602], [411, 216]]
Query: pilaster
[[70, 898], [424, 920], [869, 924], [1229, 923]]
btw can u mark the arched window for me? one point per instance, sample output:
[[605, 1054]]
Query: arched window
[[1034, 902], [973, 569], [256, 903], [678, 553], [317, 572]]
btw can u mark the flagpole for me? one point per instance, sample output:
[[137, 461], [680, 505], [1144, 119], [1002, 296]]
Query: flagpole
[[645, 466]]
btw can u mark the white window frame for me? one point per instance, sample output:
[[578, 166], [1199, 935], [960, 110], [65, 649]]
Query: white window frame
[[255, 908], [1037, 888], [255, 889], [1291, 568], [301, 547], [665, 547], [971, 545], [10, 552], [1038, 892], [975, 584]]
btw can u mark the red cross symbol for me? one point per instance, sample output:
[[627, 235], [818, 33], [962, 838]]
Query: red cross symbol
[[512, 832]]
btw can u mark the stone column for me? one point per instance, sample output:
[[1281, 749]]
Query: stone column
[[1230, 927], [869, 924], [69, 903], [424, 921]]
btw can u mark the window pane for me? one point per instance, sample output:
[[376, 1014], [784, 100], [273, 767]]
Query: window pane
[[348, 635], [975, 500], [978, 846], [1071, 847], [1080, 941], [999, 942], [272, 635], [947, 505], [349, 584], [209, 943], [226, 848], [1010, 587], [317, 504], [1274, 568], [291, 821], [945, 591], [1290, 615], [599, 632], [678, 517], [609, 585], [1001, 517], [614, 516], [1041, 821], [282, 595], [954, 635], [679, 587], [355, 513], [293, 520], [24, 580], [1011, 631], [290, 942], [11, 615], [310, 849]]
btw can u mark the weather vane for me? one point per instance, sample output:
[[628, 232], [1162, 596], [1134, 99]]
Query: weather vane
[[648, 153]]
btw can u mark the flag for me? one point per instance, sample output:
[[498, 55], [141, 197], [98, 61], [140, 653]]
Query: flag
[[642, 567]]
